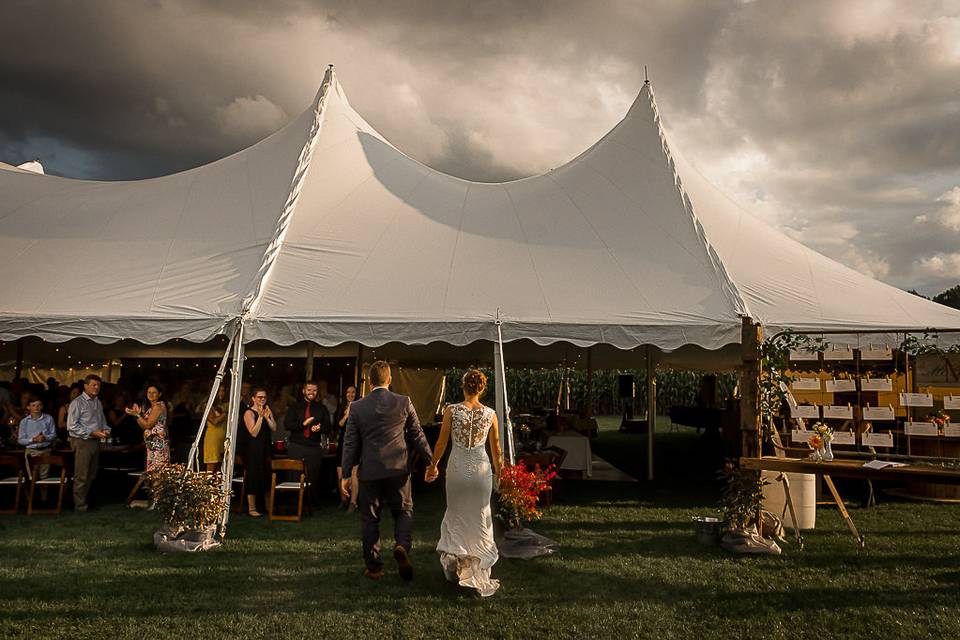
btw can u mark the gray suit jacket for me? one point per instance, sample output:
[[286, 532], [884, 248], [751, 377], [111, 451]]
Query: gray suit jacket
[[381, 432]]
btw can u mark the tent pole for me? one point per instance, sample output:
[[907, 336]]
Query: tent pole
[[651, 408], [311, 350], [589, 399], [357, 373], [193, 461], [233, 419], [502, 404]]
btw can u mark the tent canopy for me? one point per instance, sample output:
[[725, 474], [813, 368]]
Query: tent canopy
[[324, 231]]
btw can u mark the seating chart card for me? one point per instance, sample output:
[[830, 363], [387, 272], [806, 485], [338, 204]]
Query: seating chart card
[[877, 439], [838, 353], [807, 384], [800, 436], [916, 399], [843, 437], [838, 386], [878, 413], [920, 429], [836, 412], [810, 411], [804, 356], [876, 352], [951, 430], [951, 402], [876, 384]]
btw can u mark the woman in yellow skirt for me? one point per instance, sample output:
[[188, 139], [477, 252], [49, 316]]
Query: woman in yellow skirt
[[216, 432]]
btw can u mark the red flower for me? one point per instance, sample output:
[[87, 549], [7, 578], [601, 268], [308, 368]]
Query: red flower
[[520, 491]]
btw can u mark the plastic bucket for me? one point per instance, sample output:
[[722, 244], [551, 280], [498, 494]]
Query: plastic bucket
[[707, 529], [803, 491]]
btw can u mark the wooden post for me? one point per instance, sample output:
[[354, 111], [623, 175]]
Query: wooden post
[[311, 350], [358, 372], [751, 336], [18, 367], [651, 408]]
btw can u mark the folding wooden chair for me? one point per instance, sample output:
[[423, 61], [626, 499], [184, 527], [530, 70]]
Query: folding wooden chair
[[299, 487], [11, 475], [60, 481], [141, 477]]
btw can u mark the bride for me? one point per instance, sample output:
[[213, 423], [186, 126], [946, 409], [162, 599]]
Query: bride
[[467, 549]]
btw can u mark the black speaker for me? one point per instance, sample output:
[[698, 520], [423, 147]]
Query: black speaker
[[625, 386]]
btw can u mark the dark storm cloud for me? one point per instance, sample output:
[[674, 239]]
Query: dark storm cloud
[[835, 120]]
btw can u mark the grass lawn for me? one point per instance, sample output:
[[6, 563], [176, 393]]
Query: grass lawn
[[629, 567]]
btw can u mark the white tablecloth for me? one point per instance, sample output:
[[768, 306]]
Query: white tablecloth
[[579, 455]]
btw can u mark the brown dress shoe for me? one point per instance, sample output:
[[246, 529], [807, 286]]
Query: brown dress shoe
[[403, 563], [373, 575]]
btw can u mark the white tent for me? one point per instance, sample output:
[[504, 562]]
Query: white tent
[[325, 231]]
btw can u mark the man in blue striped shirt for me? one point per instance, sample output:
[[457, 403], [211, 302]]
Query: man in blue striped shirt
[[86, 425]]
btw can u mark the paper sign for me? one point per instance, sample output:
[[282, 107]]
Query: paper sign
[[843, 437], [920, 429], [800, 436], [916, 399], [807, 384], [837, 412], [878, 413], [883, 464], [951, 430], [876, 384], [804, 356], [876, 353], [877, 439], [838, 386], [951, 402], [838, 353], [805, 411]]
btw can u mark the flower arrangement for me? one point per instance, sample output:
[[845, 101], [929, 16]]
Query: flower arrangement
[[940, 418], [186, 499], [823, 431], [520, 490]]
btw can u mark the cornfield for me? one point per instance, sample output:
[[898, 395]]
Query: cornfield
[[529, 389]]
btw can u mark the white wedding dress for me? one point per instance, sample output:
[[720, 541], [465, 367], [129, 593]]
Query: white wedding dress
[[467, 549]]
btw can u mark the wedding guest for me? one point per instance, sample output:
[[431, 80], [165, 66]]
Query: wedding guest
[[37, 433], [86, 425], [215, 433], [309, 425], [62, 432], [152, 418], [123, 425], [259, 422], [346, 502], [328, 399]]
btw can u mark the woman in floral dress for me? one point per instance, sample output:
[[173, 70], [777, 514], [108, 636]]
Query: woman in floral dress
[[152, 418]]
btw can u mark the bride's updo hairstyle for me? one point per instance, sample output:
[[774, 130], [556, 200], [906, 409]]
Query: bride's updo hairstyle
[[474, 382]]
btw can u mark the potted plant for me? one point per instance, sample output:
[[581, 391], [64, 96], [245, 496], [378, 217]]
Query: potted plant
[[190, 504]]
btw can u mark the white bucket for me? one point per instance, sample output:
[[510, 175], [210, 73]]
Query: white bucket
[[803, 490]]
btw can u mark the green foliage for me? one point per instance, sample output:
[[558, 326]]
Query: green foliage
[[530, 389], [926, 344], [741, 498], [950, 297], [186, 499]]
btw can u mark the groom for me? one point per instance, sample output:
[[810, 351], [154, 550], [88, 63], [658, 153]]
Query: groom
[[381, 433]]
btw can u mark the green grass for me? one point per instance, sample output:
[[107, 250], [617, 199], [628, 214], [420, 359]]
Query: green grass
[[629, 567]]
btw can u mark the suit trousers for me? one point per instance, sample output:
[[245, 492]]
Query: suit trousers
[[395, 492], [86, 457]]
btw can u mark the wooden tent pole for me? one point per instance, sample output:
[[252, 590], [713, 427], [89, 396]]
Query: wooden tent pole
[[751, 336], [311, 351]]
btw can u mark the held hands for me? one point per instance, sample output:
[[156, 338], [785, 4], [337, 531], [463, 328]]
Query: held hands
[[345, 488], [432, 473]]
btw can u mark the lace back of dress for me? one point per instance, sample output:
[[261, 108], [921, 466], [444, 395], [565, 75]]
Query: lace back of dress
[[469, 427]]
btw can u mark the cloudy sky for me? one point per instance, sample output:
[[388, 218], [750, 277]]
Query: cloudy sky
[[838, 122]]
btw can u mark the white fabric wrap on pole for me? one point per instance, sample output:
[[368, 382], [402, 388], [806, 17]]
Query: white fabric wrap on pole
[[502, 404], [233, 419], [193, 461]]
